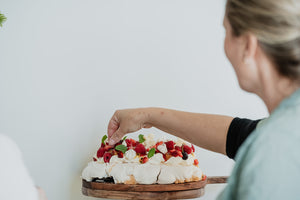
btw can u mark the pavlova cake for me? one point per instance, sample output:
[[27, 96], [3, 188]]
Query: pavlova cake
[[146, 161]]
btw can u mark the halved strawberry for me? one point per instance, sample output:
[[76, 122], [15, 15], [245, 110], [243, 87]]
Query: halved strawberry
[[131, 142], [196, 162], [187, 149], [106, 157], [140, 149], [100, 152], [170, 145], [144, 159]]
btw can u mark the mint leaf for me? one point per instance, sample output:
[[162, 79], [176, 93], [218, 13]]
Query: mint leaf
[[2, 19], [104, 138], [121, 147], [141, 138], [151, 152], [124, 138]]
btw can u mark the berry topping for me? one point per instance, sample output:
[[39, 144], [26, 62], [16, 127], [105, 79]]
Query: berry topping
[[100, 152], [178, 148], [187, 149], [106, 157], [193, 148], [140, 149], [176, 153], [120, 154], [144, 160], [131, 143], [185, 155], [170, 145], [196, 162]]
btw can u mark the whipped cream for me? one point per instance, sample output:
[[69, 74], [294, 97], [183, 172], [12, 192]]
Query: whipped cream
[[162, 148], [149, 140], [116, 160], [156, 159], [94, 170]]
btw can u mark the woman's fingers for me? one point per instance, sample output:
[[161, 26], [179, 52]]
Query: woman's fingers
[[117, 136], [113, 126]]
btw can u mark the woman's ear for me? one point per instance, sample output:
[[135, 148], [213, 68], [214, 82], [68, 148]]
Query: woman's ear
[[250, 47]]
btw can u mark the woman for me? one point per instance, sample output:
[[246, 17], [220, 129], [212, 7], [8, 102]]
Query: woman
[[263, 45]]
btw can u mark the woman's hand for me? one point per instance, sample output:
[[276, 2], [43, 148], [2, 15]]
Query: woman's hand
[[126, 121]]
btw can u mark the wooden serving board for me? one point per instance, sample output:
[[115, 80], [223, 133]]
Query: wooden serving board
[[146, 192]]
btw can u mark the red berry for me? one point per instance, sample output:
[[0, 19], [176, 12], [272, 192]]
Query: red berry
[[95, 159], [106, 157], [176, 153], [196, 162], [193, 148], [100, 152], [178, 148], [143, 160], [120, 154], [140, 149], [102, 145], [130, 142], [170, 145], [159, 143], [187, 149]]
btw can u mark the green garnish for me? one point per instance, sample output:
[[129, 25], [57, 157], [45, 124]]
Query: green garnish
[[151, 152], [2, 19], [121, 147], [103, 139], [141, 138], [124, 138]]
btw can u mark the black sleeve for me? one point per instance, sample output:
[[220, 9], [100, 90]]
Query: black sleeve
[[238, 131]]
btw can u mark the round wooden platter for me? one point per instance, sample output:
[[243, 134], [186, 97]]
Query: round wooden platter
[[146, 192]]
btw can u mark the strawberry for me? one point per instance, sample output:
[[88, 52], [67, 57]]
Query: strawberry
[[187, 149], [193, 148], [144, 160], [159, 143], [106, 157], [130, 142], [178, 148], [102, 145], [120, 154], [196, 162], [176, 153], [170, 145], [100, 152], [95, 159], [140, 149]]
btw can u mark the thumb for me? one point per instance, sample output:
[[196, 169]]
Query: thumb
[[116, 137]]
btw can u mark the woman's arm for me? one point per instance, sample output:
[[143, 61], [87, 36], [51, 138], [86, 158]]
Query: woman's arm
[[204, 130]]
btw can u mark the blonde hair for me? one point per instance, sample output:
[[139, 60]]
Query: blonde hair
[[276, 24]]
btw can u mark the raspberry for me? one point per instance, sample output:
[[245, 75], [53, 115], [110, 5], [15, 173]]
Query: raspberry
[[120, 154], [178, 148], [196, 162], [106, 157], [143, 160], [140, 149], [193, 148], [100, 152], [170, 145], [187, 149]]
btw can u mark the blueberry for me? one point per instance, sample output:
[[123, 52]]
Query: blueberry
[[184, 155]]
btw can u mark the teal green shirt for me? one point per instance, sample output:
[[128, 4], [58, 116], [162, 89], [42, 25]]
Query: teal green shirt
[[268, 163]]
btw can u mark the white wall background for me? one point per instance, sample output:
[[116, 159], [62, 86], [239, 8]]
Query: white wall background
[[67, 65]]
